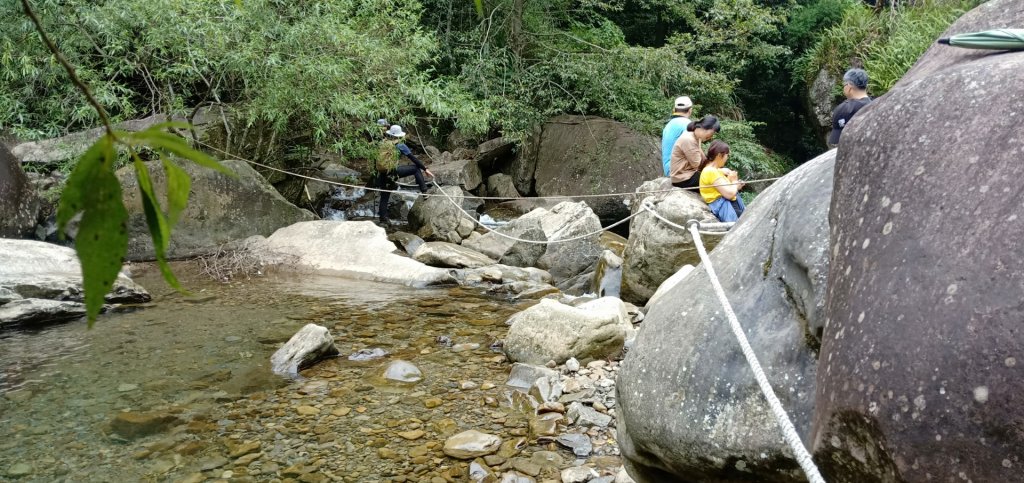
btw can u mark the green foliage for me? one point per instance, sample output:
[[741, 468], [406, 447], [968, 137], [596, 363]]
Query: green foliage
[[528, 61], [885, 43], [914, 31], [747, 156], [807, 21], [102, 239], [309, 67]]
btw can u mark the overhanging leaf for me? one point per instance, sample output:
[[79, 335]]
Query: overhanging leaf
[[102, 239], [79, 184], [177, 145], [178, 186], [158, 227]]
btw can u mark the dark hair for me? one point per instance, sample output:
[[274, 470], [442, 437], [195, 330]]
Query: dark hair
[[706, 122], [857, 78], [717, 148]]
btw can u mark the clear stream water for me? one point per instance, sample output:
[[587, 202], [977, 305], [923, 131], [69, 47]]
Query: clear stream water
[[202, 360]]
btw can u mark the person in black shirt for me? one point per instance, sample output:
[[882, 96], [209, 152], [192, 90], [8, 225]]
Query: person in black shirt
[[855, 88]]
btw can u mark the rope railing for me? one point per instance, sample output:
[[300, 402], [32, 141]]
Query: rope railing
[[496, 198], [789, 434]]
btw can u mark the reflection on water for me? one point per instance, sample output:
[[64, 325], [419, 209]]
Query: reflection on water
[[197, 359]]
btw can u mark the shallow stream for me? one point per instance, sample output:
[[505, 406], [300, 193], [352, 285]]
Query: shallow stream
[[186, 381]]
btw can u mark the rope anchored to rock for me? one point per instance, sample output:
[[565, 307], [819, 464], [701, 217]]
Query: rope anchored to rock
[[789, 434]]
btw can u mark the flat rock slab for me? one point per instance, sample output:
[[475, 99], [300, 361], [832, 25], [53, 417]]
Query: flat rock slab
[[450, 255], [579, 443], [351, 249], [471, 444], [35, 269], [39, 311]]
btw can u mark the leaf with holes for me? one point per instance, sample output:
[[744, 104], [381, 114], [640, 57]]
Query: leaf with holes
[[102, 239], [73, 199]]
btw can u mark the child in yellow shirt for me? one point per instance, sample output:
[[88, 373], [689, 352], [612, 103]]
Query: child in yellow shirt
[[719, 186]]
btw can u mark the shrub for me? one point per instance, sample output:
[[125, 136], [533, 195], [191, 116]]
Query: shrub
[[885, 43]]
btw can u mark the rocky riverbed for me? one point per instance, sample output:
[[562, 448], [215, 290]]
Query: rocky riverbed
[[181, 390]]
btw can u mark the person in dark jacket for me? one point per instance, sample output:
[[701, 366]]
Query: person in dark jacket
[[389, 168], [855, 88]]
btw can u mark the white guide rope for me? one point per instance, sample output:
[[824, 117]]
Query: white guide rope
[[788, 431], [535, 242], [427, 195]]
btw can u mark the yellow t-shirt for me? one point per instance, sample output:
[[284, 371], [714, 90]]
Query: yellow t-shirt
[[707, 181]]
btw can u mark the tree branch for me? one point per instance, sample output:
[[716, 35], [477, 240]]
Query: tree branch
[[70, 70]]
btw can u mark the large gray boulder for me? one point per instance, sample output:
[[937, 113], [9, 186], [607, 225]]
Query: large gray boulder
[[570, 259], [493, 152], [19, 205], [74, 145], [460, 172], [221, 209], [582, 155], [353, 249], [42, 282], [441, 218], [921, 359], [689, 407], [554, 331], [501, 186], [656, 250], [509, 251]]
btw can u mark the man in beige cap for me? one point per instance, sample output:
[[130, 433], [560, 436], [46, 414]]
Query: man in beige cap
[[674, 128]]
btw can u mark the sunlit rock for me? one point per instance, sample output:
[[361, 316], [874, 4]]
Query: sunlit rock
[[306, 347]]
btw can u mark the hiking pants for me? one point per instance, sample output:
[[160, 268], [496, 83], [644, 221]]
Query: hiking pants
[[386, 180]]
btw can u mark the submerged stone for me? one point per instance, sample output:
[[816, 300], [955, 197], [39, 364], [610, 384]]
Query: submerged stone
[[363, 355], [307, 346], [471, 444], [402, 371], [133, 425]]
